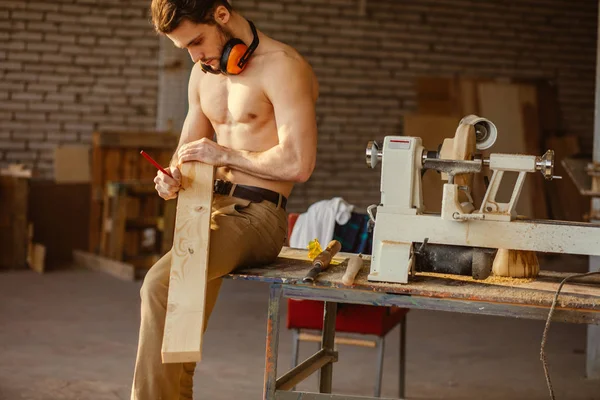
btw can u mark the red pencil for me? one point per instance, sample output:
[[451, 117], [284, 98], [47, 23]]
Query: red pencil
[[157, 165]]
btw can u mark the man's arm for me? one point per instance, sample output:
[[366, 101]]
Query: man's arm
[[196, 125], [291, 87]]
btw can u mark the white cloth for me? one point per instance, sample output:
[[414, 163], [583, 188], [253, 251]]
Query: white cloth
[[318, 222]]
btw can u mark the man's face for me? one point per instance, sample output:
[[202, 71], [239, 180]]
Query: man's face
[[204, 42]]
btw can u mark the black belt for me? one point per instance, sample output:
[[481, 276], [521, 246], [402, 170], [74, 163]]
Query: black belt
[[253, 193]]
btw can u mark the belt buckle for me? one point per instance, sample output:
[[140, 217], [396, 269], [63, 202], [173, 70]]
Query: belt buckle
[[222, 187]]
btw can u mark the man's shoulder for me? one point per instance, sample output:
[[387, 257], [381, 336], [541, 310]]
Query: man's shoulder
[[290, 56], [278, 54], [284, 60]]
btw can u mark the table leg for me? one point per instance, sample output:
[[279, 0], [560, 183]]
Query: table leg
[[272, 342], [325, 378]]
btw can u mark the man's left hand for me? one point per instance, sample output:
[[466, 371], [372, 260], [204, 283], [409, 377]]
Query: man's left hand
[[203, 150]]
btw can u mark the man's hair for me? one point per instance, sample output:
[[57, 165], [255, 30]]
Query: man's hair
[[168, 14]]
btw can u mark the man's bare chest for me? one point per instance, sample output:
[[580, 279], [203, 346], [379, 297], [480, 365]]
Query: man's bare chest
[[234, 101]]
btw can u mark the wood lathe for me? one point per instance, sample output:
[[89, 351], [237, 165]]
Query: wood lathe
[[482, 235]]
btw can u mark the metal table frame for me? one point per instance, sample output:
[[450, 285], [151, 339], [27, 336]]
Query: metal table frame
[[278, 388]]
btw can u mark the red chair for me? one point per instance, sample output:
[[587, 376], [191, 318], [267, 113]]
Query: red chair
[[351, 318]]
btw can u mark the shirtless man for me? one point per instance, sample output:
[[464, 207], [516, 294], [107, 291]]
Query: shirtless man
[[265, 126]]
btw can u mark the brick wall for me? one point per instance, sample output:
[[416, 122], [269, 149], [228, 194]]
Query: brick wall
[[69, 67], [367, 64]]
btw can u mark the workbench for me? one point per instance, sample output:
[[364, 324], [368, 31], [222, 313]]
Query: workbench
[[579, 302]]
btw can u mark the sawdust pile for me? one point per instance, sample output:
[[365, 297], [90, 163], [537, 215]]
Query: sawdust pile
[[500, 280]]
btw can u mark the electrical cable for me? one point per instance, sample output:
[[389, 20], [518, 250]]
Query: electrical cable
[[545, 334]]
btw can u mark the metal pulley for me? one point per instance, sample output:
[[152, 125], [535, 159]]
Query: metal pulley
[[373, 153]]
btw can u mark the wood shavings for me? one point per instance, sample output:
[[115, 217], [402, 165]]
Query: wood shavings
[[490, 280]]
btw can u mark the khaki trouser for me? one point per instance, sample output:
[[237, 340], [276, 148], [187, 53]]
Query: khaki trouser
[[241, 234]]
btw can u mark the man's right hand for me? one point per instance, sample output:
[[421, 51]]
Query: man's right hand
[[166, 186]]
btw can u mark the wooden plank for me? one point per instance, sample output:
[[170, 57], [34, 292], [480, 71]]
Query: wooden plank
[[95, 262], [19, 221], [36, 257], [107, 225], [17, 171], [311, 337], [111, 172], [14, 232], [136, 140], [184, 323], [96, 193]]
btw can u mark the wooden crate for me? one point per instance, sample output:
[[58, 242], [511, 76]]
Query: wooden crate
[[116, 157], [123, 224]]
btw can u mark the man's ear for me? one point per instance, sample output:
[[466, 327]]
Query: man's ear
[[222, 15]]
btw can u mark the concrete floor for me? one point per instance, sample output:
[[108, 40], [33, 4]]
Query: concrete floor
[[72, 334]]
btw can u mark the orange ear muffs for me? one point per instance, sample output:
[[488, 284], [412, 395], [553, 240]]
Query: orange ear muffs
[[236, 54], [233, 52]]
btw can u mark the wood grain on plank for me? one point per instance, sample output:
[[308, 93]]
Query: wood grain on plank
[[184, 323]]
